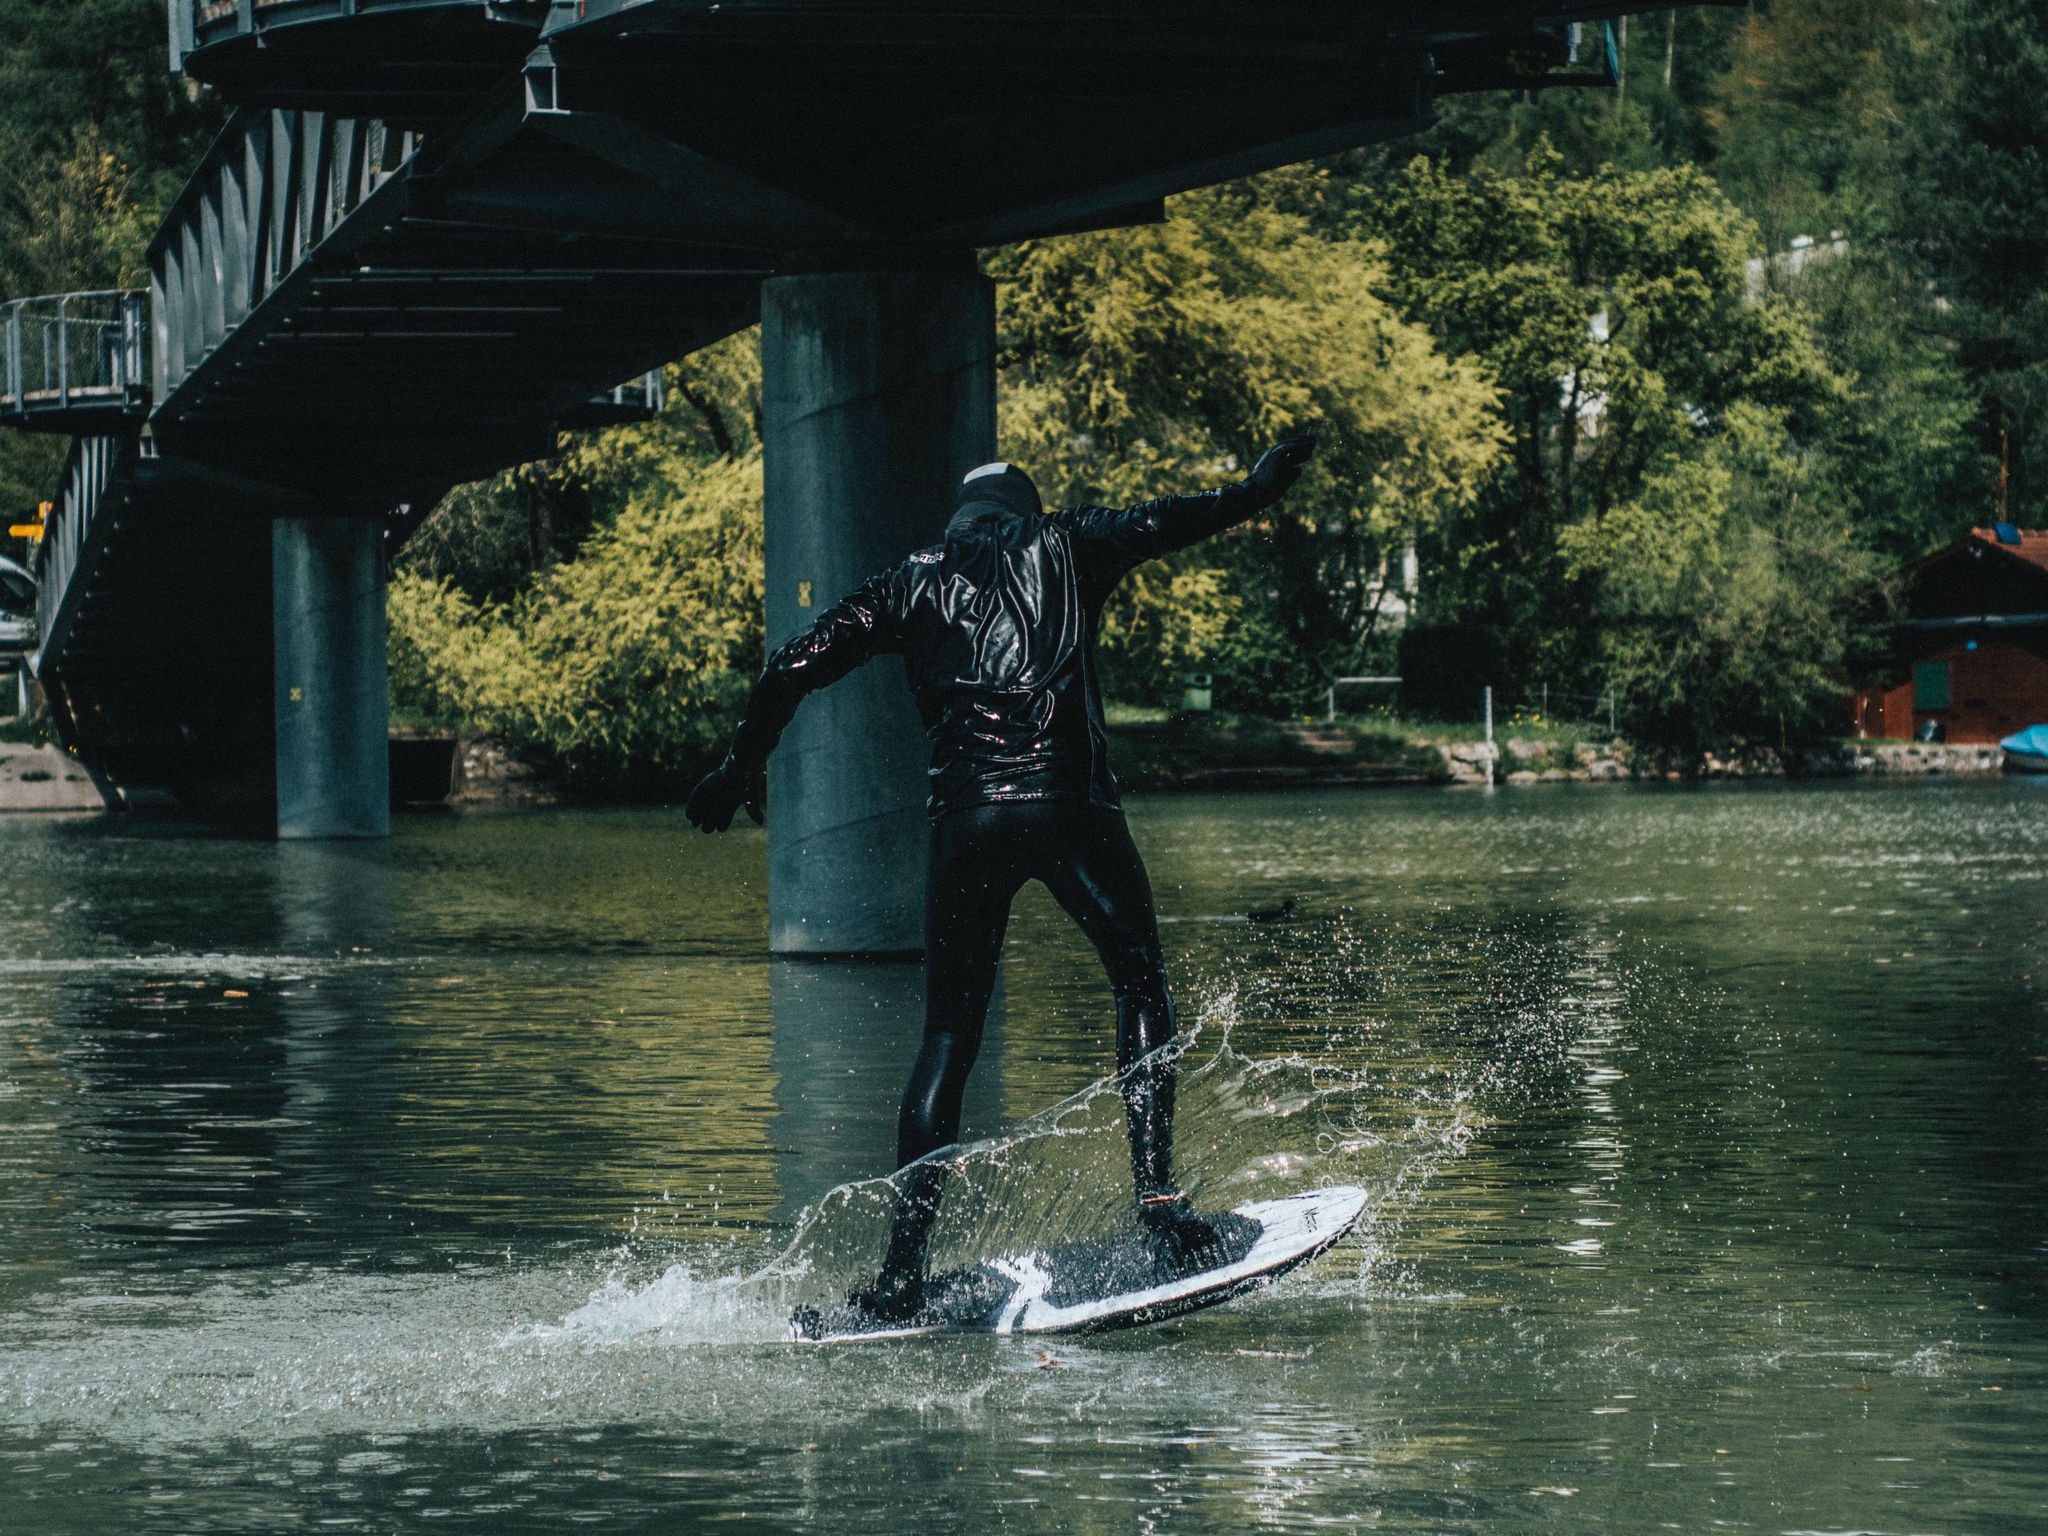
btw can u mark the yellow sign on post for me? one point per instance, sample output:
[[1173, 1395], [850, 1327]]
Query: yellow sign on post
[[25, 530]]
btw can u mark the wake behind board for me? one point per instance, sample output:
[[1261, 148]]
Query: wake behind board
[[1092, 1287]]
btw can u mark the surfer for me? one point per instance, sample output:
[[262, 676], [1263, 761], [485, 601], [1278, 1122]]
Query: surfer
[[996, 627]]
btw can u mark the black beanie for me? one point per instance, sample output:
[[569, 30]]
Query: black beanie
[[1005, 484]]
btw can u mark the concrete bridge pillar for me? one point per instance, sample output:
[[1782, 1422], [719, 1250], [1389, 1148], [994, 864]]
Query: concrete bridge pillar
[[878, 394], [332, 702]]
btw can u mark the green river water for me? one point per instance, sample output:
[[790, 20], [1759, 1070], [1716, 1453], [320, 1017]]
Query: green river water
[[461, 1183]]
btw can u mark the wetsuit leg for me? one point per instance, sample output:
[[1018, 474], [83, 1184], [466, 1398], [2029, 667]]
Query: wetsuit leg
[[972, 876], [1097, 875]]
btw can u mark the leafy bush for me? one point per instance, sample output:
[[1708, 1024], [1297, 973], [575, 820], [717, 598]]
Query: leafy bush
[[621, 670]]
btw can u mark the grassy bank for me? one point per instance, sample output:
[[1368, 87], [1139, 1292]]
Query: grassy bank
[[1152, 750]]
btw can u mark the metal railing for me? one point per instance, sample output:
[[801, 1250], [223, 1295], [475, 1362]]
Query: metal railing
[[638, 399], [87, 473], [197, 24], [1565, 705], [1538, 704], [1389, 685], [69, 352], [641, 397], [274, 186]]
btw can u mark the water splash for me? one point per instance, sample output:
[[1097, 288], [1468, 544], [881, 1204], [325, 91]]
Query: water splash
[[580, 1340], [1246, 1129]]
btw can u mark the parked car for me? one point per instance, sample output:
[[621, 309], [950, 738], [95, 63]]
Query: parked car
[[17, 608]]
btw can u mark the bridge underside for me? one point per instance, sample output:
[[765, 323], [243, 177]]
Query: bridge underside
[[526, 203], [165, 643]]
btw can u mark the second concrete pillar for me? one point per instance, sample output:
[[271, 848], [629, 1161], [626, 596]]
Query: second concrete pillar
[[333, 715]]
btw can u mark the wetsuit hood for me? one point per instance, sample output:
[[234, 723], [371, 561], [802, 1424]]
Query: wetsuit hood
[[997, 485], [996, 510]]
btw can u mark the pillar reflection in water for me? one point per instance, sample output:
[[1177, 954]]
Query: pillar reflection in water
[[333, 897], [845, 1035], [334, 911]]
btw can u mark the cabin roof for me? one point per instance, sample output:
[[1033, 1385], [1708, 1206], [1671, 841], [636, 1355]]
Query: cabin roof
[[2023, 556], [2032, 546]]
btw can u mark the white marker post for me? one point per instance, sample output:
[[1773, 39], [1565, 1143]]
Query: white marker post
[[1489, 736]]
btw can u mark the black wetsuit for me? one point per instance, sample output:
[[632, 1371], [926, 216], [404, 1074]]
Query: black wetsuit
[[996, 627]]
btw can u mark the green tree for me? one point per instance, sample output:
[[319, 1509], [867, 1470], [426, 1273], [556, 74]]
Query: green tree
[[488, 539], [1971, 209], [1801, 118], [1160, 358], [615, 652], [1612, 310], [1905, 446], [1723, 590], [99, 68], [95, 138]]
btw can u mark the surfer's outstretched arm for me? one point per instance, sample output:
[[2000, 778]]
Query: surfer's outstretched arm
[[850, 632], [1121, 539]]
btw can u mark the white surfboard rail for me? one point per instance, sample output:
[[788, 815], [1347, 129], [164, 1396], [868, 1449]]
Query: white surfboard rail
[[1294, 1230]]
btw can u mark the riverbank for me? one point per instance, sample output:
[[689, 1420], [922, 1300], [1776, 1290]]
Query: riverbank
[[1205, 752], [1190, 753], [1531, 762], [1217, 751], [1210, 752], [34, 777]]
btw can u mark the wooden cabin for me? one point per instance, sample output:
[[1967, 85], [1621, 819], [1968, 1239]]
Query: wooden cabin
[[1971, 648]]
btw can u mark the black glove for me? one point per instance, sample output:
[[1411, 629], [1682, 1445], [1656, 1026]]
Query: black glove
[[719, 795], [1279, 467]]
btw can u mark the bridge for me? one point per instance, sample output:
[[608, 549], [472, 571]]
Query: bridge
[[437, 232]]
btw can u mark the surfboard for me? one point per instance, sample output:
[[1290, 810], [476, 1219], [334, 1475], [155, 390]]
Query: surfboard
[[1114, 1283]]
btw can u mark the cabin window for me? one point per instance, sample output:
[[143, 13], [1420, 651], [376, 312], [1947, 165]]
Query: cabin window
[[1930, 685]]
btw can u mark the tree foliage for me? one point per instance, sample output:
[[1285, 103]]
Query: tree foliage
[[1138, 362], [1970, 211], [622, 668], [1801, 118], [95, 139], [1723, 588], [1614, 311]]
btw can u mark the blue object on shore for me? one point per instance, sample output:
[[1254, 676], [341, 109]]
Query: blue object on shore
[[2027, 751]]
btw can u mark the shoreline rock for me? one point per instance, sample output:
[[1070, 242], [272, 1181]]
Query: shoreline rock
[[490, 775], [38, 778], [1518, 761], [487, 773]]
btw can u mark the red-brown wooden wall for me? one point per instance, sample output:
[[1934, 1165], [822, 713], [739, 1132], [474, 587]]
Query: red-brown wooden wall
[[1997, 689]]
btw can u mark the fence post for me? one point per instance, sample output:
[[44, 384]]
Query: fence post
[[1610, 714], [1330, 714], [1489, 735], [131, 342], [14, 368], [64, 352]]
